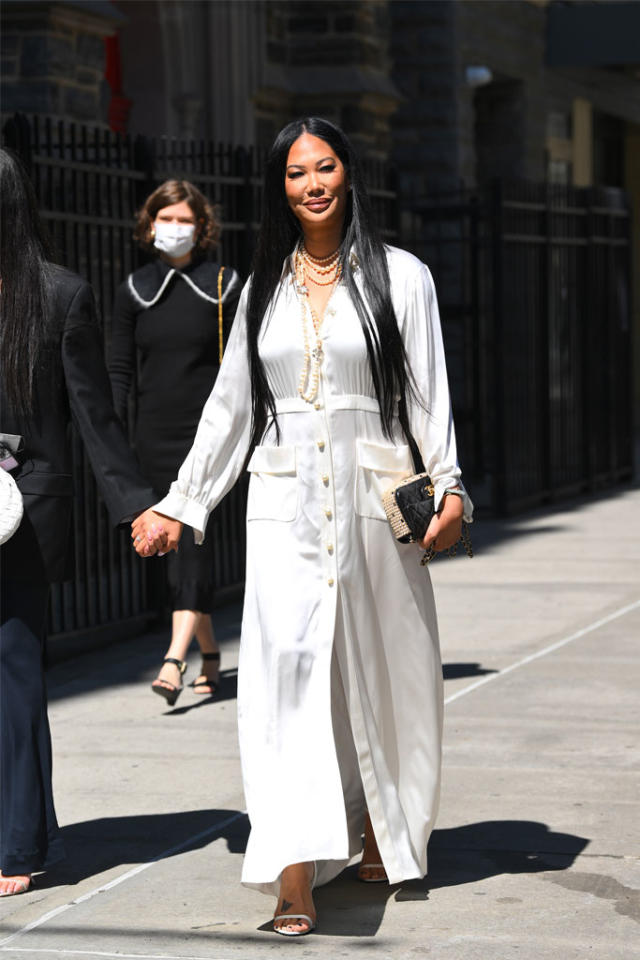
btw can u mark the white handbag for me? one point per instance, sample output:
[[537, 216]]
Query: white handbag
[[11, 506]]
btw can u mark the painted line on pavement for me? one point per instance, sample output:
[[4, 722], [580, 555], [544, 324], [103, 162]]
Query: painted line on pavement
[[103, 953], [621, 612], [210, 831], [546, 650]]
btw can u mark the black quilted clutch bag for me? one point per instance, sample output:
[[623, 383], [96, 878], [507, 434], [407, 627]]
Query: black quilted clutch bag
[[409, 507]]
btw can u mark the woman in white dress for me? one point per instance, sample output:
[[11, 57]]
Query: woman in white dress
[[334, 359]]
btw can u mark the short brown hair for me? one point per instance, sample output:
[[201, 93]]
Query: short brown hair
[[208, 226]]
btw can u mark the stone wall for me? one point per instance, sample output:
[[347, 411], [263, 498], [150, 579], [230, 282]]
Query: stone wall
[[331, 60], [53, 59], [509, 39], [448, 133], [443, 119], [237, 72], [392, 73]]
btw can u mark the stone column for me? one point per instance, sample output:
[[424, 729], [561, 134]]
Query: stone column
[[427, 127]]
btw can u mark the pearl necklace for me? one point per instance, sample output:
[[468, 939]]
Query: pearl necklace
[[310, 373], [330, 259], [317, 269]]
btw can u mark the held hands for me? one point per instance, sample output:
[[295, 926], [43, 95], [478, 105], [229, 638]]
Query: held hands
[[153, 533], [446, 525]]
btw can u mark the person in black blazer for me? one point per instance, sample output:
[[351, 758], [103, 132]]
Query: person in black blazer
[[52, 371]]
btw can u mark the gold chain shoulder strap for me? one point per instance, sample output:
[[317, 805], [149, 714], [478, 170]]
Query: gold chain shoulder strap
[[220, 337]]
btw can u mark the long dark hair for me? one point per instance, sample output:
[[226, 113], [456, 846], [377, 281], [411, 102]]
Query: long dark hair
[[24, 270], [279, 232]]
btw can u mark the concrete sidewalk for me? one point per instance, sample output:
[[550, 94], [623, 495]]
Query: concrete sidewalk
[[536, 851]]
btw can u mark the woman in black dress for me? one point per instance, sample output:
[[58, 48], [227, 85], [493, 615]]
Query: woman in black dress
[[171, 319]]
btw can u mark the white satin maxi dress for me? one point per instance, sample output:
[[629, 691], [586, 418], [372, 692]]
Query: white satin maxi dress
[[339, 681]]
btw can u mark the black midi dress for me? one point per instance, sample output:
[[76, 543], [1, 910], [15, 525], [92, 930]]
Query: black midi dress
[[165, 346]]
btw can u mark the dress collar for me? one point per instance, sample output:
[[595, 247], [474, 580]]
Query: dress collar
[[148, 284]]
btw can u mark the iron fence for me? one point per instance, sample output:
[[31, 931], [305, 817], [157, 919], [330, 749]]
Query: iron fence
[[534, 283], [534, 290]]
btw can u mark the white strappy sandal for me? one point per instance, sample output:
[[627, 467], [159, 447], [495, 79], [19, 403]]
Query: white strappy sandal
[[293, 917], [372, 866]]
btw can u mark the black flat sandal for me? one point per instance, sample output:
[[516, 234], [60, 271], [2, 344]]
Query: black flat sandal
[[170, 692], [198, 685]]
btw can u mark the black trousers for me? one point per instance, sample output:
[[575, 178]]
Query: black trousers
[[29, 834]]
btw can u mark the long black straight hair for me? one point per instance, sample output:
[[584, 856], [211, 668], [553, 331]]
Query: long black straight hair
[[24, 313], [279, 232]]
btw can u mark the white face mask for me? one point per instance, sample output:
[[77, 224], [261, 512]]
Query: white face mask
[[174, 239]]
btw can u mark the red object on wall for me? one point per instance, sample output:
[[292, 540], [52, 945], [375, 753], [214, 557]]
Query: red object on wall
[[119, 105]]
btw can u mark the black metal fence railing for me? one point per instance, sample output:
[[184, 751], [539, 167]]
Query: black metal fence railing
[[534, 286], [534, 290], [89, 182]]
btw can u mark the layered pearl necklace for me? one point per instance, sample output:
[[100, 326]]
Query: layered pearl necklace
[[321, 271]]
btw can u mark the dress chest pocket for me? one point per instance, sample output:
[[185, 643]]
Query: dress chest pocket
[[379, 466], [273, 489]]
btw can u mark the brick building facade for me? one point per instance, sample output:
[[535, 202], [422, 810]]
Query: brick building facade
[[454, 92], [236, 72], [53, 58]]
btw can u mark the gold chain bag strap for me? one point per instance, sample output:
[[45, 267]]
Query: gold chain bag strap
[[410, 506], [220, 331]]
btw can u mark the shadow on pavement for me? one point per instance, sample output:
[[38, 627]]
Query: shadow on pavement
[[346, 907], [133, 662], [227, 690], [94, 846], [466, 854], [454, 671], [477, 851]]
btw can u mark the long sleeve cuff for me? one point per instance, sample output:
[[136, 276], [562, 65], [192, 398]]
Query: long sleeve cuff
[[440, 488], [189, 512]]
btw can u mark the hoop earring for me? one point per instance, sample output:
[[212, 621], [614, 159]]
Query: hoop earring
[[153, 233]]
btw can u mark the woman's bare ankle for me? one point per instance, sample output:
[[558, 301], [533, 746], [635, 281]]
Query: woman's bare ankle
[[295, 913], [296, 884]]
